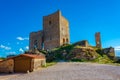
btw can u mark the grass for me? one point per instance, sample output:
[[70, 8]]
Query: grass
[[77, 46], [56, 54], [49, 64], [103, 59], [2, 58]]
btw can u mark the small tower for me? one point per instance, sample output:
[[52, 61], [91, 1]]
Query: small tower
[[98, 40]]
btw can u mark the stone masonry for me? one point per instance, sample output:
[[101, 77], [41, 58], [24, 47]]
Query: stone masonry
[[83, 43], [98, 40], [55, 33], [36, 40], [110, 52], [7, 66]]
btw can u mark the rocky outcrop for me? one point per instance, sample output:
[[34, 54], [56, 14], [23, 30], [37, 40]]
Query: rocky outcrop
[[110, 52], [81, 51], [85, 53]]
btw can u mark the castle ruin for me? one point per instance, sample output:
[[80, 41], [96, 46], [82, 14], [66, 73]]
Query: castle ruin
[[55, 33], [98, 40]]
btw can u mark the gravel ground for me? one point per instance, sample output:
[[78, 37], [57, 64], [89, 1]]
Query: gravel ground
[[73, 71], [8, 76]]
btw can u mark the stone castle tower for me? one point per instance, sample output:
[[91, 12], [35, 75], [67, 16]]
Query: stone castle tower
[[54, 34], [36, 40], [98, 40]]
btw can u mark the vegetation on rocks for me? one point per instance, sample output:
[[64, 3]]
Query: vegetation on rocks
[[77, 53]]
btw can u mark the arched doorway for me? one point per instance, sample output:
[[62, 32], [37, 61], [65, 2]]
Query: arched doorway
[[63, 41], [67, 40]]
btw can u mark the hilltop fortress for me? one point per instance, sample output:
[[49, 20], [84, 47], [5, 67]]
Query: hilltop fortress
[[53, 44], [55, 33]]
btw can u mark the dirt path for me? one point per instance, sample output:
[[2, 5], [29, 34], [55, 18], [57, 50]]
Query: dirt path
[[74, 71]]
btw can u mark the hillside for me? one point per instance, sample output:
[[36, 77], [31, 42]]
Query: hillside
[[76, 52]]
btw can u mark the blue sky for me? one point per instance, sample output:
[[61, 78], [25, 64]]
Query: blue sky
[[20, 17]]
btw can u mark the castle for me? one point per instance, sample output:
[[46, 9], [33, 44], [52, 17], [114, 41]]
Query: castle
[[55, 33]]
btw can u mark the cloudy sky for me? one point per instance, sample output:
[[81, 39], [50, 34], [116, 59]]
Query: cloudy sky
[[20, 17]]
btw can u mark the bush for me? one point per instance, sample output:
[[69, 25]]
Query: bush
[[99, 51]]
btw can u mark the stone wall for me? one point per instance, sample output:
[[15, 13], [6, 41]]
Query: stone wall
[[83, 43], [51, 30], [39, 63], [56, 30], [110, 52], [7, 66], [98, 40], [55, 33], [36, 40], [64, 31]]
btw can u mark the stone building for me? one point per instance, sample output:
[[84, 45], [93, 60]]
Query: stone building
[[22, 63], [36, 40], [7, 66], [54, 34], [83, 43], [98, 40], [31, 62]]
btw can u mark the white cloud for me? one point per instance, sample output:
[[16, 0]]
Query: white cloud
[[21, 50], [19, 43], [117, 48], [5, 47], [11, 53], [21, 38], [27, 47]]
